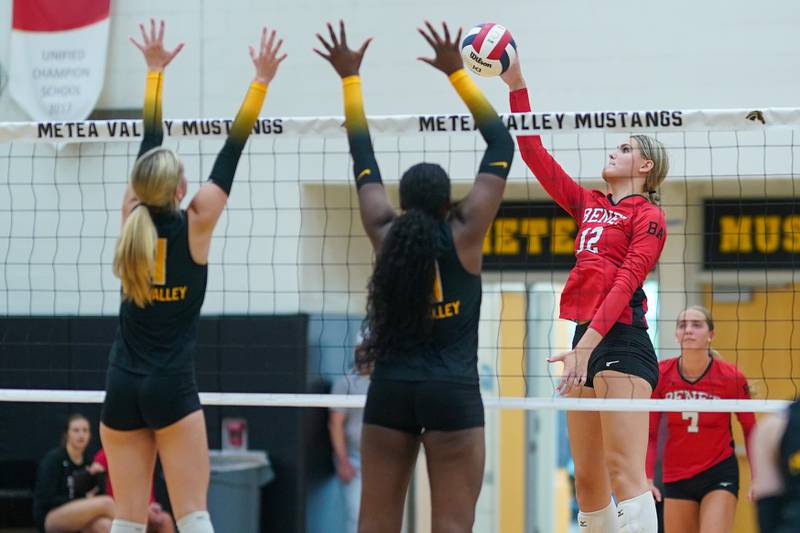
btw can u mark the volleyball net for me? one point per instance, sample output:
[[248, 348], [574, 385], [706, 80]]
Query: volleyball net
[[290, 262]]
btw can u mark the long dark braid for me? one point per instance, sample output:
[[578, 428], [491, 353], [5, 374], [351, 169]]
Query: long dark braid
[[401, 287]]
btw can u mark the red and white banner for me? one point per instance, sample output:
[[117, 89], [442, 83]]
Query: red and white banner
[[58, 56]]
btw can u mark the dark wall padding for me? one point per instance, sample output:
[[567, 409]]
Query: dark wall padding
[[235, 354]]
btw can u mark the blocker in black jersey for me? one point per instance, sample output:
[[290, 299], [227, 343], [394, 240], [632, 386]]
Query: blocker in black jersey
[[161, 337], [790, 471], [150, 381], [452, 355]]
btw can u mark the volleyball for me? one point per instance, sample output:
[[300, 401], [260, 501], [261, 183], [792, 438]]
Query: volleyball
[[488, 49]]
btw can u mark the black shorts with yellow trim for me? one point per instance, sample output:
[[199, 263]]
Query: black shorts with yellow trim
[[626, 349]]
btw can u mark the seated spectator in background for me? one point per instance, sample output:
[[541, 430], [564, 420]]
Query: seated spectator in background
[[66, 497], [158, 520], [344, 425]]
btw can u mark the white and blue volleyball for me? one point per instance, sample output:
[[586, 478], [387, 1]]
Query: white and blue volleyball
[[488, 49]]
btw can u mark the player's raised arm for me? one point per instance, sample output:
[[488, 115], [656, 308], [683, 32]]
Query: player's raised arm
[[376, 211], [157, 58], [210, 200], [558, 184], [479, 208]]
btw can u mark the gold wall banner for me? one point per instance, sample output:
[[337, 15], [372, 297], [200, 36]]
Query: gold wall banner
[[751, 234], [530, 236]]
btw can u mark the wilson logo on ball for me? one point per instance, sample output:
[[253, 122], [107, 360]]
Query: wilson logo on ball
[[488, 49]]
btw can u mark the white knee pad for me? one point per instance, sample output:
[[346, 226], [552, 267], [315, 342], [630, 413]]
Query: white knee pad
[[123, 526], [602, 521], [638, 515], [197, 522]]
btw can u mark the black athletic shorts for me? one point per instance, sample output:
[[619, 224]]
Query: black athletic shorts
[[625, 349], [154, 401], [722, 476], [417, 406]]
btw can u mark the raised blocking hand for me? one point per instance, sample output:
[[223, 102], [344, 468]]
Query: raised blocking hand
[[448, 53], [152, 48], [345, 61], [266, 61]]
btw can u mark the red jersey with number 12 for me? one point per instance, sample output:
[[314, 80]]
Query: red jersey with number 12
[[696, 441], [616, 246]]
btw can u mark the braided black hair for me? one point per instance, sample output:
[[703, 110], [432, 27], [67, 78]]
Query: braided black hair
[[399, 312]]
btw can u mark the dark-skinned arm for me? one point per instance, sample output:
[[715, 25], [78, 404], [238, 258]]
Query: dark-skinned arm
[[479, 208], [377, 213]]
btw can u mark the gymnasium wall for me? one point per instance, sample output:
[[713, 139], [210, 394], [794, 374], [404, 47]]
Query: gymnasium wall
[[578, 55]]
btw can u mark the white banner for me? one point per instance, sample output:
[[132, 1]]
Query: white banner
[[58, 56], [662, 121]]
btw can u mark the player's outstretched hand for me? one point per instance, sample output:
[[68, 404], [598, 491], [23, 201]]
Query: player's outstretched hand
[[345, 61], [152, 47], [576, 364], [267, 60], [513, 76], [448, 52]]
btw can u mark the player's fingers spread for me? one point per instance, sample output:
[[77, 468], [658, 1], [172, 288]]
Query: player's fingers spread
[[263, 49], [427, 37], [172, 54], [144, 34], [252, 53], [434, 35], [161, 32], [325, 43], [271, 41], [364, 46], [342, 33], [136, 44], [153, 29], [458, 36], [334, 40], [274, 51], [446, 32], [326, 57]]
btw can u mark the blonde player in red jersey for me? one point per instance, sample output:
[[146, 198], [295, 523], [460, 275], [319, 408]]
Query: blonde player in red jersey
[[700, 471], [619, 240]]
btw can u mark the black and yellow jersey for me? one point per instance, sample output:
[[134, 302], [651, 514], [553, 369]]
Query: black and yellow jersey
[[452, 353], [790, 471], [161, 337]]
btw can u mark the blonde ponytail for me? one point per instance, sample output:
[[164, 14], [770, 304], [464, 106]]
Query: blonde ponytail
[[154, 180], [135, 258]]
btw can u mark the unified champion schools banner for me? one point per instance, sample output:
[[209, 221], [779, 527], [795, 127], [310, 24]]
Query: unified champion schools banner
[[58, 56]]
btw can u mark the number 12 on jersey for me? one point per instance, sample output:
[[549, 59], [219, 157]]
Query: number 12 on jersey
[[589, 243]]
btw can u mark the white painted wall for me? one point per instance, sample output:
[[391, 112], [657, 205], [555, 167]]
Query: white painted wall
[[578, 54]]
